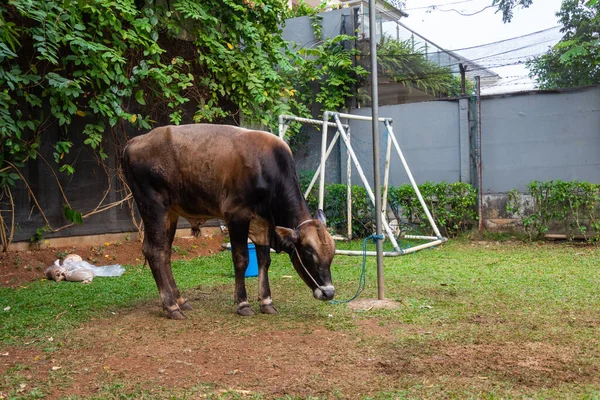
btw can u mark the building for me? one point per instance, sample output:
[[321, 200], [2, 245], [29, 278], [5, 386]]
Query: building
[[351, 17]]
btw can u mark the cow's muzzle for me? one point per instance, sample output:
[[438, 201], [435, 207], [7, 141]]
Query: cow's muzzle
[[324, 292]]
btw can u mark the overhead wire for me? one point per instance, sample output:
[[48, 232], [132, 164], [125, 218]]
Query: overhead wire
[[432, 74], [506, 40], [489, 44], [466, 14], [456, 64], [438, 5]]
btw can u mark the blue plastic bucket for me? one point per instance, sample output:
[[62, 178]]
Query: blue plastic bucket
[[252, 269]]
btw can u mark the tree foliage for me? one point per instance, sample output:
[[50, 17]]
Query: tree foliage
[[99, 69], [239, 47], [408, 65], [111, 66], [118, 62], [326, 73], [94, 57], [506, 7], [575, 60]]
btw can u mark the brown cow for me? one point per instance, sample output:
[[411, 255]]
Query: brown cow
[[245, 177]]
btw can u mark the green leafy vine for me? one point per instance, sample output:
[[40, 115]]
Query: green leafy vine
[[113, 67]]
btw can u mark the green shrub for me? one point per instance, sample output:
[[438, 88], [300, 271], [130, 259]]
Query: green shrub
[[336, 209], [452, 206], [571, 207]]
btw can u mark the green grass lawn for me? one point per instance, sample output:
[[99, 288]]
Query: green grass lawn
[[461, 295]]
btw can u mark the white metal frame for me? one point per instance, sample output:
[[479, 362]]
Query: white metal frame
[[343, 131]]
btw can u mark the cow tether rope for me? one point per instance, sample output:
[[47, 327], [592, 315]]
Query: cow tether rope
[[300, 259], [362, 282], [305, 269], [303, 222]]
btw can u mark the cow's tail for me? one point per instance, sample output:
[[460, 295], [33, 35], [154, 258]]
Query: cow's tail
[[125, 163]]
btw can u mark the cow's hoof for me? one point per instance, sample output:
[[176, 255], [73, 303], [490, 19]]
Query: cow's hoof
[[176, 314], [245, 311], [268, 309], [186, 306]]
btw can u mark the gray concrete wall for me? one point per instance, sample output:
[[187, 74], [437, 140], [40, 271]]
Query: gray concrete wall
[[429, 135], [300, 31], [530, 136], [540, 136]]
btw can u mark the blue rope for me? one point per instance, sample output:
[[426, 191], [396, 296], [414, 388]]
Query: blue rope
[[362, 282]]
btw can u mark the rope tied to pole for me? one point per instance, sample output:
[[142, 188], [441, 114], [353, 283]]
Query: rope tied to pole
[[362, 282]]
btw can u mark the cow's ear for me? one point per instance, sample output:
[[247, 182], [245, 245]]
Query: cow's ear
[[287, 237], [320, 215]]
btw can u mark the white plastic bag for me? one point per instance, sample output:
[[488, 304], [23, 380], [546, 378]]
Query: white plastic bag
[[72, 264]]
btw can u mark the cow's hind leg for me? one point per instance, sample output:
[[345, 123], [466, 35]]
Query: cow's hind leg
[[171, 229], [238, 234], [263, 254], [156, 250]]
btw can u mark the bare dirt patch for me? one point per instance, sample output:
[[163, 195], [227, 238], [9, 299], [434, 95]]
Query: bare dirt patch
[[531, 365], [18, 267], [263, 354]]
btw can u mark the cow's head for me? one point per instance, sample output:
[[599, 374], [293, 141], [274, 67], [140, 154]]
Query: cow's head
[[311, 249]]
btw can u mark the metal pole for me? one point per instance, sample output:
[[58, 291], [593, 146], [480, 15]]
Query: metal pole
[[391, 253], [463, 79], [281, 130], [386, 173], [376, 165], [361, 117], [478, 159]]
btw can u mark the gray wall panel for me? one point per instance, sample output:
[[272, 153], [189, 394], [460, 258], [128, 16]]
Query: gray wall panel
[[300, 31], [428, 134], [540, 136], [531, 136]]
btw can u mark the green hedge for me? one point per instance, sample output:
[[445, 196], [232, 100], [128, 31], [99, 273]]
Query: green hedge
[[452, 206], [572, 208]]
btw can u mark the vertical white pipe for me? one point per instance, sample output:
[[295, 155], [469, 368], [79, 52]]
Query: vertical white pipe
[[386, 172], [386, 226], [349, 186], [318, 172], [323, 161], [280, 120]]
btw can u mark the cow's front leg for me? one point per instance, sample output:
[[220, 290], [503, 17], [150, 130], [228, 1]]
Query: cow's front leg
[[238, 233], [263, 254]]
